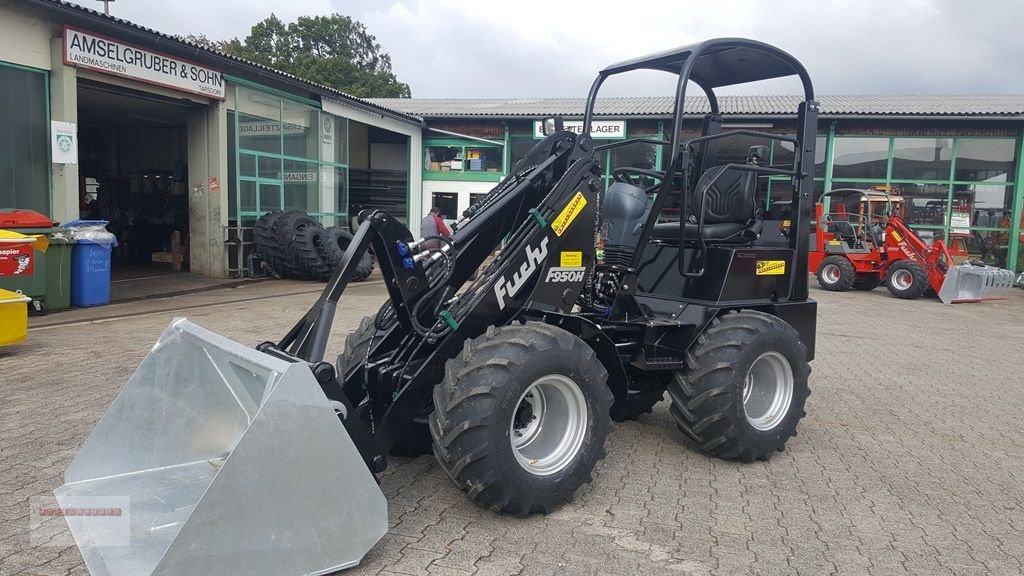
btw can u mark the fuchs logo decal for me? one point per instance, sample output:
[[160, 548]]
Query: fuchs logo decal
[[565, 274], [511, 287]]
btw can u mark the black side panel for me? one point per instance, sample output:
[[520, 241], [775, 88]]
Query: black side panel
[[743, 275], [800, 315]]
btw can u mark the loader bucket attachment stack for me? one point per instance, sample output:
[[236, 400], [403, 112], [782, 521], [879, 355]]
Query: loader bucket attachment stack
[[229, 461], [973, 283]]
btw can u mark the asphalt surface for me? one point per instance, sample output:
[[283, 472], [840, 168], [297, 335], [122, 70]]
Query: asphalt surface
[[910, 459]]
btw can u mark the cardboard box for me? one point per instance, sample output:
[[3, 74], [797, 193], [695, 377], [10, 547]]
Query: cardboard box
[[161, 257]]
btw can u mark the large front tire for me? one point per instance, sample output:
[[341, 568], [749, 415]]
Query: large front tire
[[521, 417], [907, 279], [743, 390]]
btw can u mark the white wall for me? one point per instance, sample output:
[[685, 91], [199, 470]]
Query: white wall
[[24, 36], [463, 189]]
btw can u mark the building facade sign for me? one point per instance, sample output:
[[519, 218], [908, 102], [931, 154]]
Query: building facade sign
[[603, 129], [109, 56]]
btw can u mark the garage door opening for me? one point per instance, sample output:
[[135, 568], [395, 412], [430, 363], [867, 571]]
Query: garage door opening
[[133, 167]]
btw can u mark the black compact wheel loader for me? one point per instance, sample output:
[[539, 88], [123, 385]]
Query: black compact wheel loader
[[513, 372]]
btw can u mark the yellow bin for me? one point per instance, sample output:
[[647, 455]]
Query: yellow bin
[[13, 317]]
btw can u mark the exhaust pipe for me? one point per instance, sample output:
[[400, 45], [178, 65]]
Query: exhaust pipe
[[230, 461]]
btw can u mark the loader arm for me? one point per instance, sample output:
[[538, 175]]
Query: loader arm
[[543, 216], [901, 242]]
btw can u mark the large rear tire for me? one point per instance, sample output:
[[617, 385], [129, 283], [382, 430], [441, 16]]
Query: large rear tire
[[836, 274], [743, 390], [907, 280], [521, 417], [335, 242]]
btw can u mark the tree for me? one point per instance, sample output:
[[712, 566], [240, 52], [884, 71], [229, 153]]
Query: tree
[[334, 50], [202, 41]]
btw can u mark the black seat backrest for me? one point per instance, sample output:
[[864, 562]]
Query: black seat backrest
[[732, 198], [845, 230]]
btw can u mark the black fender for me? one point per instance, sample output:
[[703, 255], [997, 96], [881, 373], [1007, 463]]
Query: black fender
[[595, 337]]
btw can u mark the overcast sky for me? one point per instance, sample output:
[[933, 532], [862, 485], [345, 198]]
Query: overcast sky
[[459, 48]]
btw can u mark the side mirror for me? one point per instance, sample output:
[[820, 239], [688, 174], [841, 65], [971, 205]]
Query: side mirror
[[757, 155]]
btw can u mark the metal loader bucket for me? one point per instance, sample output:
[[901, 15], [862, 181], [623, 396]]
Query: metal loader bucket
[[973, 282], [230, 461]]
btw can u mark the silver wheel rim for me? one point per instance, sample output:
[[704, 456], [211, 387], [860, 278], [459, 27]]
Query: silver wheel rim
[[549, 425], [831, 273], [768, 391], [901, 279]]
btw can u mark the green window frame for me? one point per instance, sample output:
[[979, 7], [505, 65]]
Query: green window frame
[[274, 162], [974, 235], [462, 146]]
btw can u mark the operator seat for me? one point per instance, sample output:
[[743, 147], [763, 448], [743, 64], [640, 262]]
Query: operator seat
[[732, 214]]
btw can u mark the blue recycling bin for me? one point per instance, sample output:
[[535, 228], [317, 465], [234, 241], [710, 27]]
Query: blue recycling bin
[[90, 262]]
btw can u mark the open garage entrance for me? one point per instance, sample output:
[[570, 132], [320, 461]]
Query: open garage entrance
[[133, 156]]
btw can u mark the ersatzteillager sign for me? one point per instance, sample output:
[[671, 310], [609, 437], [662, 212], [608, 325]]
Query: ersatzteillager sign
[[102, 54]]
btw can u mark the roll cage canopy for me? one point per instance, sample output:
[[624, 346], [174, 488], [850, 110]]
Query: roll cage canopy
[[714, 64]]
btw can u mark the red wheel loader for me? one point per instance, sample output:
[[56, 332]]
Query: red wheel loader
[[243, 461], [863, 241]]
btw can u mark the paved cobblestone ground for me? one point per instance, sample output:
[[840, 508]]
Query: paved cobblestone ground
[[910, 460]]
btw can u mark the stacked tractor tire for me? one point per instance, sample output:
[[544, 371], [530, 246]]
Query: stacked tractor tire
[[294, 245]]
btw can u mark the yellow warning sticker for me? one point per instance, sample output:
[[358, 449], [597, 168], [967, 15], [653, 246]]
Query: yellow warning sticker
[[834, 242], [786, 223], [897, 236], [569, 213], [770, 267], [571, 259]]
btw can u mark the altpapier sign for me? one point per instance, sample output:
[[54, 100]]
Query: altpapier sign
[[102, 54], [606, 129], [63, 142]]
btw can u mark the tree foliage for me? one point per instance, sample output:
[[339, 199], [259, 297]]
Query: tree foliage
[[334, 50]]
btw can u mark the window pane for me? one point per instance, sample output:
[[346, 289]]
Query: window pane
[[448, 202], [922, 158], [300, 128], [247, 165], [270, 197], [248, 192], [269, 168], [860, 158], [820, 145], [782, 154], [733, 149], [301, 191], [333, 186], [443, 158], [925, 204], [781, 190], [24, 168], [520, 147], [638, 155], [988, 246], [985, 160], [259, 121], [987, 205], [483, 159]]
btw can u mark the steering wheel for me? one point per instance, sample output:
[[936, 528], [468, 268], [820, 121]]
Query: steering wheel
[[625, 175]]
